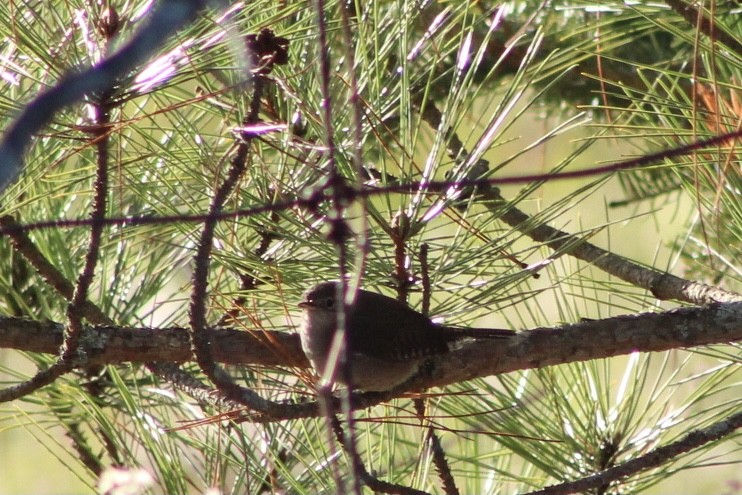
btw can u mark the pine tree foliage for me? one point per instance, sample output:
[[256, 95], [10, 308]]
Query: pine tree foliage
[[416, 93]]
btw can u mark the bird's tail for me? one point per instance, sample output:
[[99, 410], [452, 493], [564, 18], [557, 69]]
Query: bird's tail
[[482, 333]]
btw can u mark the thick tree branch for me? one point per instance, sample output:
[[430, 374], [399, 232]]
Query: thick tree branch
[[648, 332]]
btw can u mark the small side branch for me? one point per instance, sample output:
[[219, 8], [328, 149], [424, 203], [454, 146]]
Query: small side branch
[[657, 457]]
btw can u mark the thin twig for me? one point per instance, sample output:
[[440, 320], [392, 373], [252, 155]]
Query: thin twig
[[440, 462], [51, 275], [179, 378], [340, 196], [705, 24], [73, 331], [201, 345], [102, 110], [165, 19], [442, 466], [249, 282], [356, 113], [657, 457], [662, 285], [374, 483]]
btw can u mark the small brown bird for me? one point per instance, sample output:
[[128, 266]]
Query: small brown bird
[[386, 339]]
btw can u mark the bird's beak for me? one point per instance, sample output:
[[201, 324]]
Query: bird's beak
[[306, 304]]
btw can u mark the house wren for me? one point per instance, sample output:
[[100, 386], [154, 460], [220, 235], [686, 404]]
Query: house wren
[[386, 339]]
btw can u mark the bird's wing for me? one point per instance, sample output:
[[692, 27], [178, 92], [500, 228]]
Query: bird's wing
[[397, 333]]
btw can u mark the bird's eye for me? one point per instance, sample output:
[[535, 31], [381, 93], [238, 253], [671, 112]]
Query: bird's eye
[[329, 303]]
